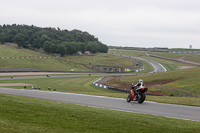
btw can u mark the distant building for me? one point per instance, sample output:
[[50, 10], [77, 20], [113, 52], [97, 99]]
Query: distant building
[[190, 46], [88, 53], [79, 53]]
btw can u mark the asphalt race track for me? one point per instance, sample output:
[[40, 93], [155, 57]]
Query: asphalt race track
[[157, 66], [168, 110]]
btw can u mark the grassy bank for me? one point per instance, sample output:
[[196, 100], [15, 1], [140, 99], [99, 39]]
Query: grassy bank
[[102, 59], [57, 64], [180, 83], [190, 57], [43, 64], [169, 65], [21, 114]]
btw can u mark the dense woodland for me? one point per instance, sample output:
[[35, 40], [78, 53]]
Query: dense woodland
[[51, 40]]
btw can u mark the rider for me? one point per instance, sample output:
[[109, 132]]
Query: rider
[[137, 86]]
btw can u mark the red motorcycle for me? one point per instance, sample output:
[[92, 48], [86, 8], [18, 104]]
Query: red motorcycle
[[140, 96]]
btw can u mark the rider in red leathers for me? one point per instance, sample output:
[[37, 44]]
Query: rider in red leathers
[[137, 86]]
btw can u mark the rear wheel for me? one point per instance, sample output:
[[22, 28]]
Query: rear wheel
[[129, 98], [142, 98]]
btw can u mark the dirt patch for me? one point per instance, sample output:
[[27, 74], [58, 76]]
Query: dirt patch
[[159, 82], [181, 58], [14, 84], [186, 67], [104, 80]]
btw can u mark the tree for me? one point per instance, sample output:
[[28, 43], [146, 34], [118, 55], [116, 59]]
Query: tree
[[46, 46], [2, 38], [19, 39], [61, 49], [35, 37], [43, 38], [82, 47], [52, 48], [71, 49]]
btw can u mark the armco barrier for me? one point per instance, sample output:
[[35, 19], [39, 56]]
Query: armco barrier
[[138, 70]]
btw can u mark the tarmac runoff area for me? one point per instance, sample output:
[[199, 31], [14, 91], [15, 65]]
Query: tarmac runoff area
[[14, 84]]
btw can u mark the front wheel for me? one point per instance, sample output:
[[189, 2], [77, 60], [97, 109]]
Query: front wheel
[[142, 98], [129, 98]]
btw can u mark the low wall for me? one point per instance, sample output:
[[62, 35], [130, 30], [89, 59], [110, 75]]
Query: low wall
[[106, 69]]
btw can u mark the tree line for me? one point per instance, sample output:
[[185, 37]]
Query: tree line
[[51, 40]]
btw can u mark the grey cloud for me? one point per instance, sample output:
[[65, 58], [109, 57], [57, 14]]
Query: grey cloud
[[164, 23]]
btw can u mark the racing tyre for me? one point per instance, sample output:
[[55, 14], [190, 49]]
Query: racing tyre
[[142, 98], [129, 98]]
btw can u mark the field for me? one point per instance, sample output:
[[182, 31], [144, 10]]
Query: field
[[181, 56], [57, 64], [43, 65], [179, 83], [169, 65], [22, 114], [82, 85], [102, 59]]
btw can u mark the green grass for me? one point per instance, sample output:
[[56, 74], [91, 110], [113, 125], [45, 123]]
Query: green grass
[[28, 115], [186, 82], [82, 85], [134, 53], [8, 51], [43, 64], [102, 59], [57, 64], [186, 56], [147, 67], [170, 65], [175, 100]]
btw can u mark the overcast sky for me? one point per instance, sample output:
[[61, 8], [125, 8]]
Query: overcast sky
[[136, 23]]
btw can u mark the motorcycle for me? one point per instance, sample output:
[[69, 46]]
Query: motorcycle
[[140, 96]]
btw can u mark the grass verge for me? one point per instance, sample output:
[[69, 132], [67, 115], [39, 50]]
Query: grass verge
[[84, 85], [22, 114]]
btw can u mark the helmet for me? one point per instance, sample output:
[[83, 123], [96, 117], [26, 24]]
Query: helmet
[[140, 80]]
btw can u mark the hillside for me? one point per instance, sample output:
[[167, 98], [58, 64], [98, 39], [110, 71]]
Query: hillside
[[177, 81], [51, 40], [195, 57], [23, 59], [169, 65]]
